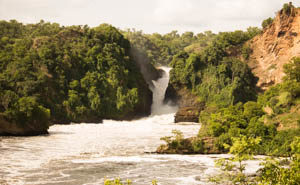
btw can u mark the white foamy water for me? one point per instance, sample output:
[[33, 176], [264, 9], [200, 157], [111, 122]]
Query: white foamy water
[[158, 107], [87, 153]]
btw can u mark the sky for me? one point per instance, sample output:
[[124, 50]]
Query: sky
[[161, 16]]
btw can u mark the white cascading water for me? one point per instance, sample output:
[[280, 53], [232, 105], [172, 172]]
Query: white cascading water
[[87, 153], [160, 87]]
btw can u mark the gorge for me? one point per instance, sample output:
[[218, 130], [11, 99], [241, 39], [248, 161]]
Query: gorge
[[96, 103], [87, 153]]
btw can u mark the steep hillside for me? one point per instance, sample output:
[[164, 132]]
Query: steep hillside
[[279, 42], [222, 78]]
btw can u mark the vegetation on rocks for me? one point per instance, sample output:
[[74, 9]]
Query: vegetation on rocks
[[267, 22], [256, 119], [220, 78], [118, 181], [274, 171], [50, 73]]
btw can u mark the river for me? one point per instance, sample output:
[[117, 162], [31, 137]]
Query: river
[[88, 153]]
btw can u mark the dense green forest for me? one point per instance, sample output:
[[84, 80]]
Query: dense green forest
[[160, 49], [68, 74], [56, 74], [232, 105], [236, 117], [52, 73]]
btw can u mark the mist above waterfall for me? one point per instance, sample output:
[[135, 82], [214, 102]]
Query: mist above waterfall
[[147, 69], [159, 89]]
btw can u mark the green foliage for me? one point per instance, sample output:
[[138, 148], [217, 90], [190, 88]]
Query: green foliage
[[77, 72], [280, 143], [253, 31], [287, 171], [243, 148], [252, 109], [214, 75], [27, 110], [118, 181], [247, 119], [267, 22], [160, 49], [287, 8], [178, 144], [246, 51], [278, 106], [281, 96], [292, 69], [174, 141], [225, 119], [274, 172], [233, 169]]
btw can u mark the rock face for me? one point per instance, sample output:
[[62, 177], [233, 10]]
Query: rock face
[[189, 106], [278, 43], [14, 129], [187, 114], [181, 97]]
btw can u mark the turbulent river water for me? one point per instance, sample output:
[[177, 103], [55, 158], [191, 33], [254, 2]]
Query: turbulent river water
[[89, 153]]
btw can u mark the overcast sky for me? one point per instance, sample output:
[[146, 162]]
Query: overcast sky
[[160, 16]]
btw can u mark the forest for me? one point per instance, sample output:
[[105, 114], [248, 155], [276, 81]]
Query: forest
[[238, 117], [52, 74], [232, 104], [55, 74]]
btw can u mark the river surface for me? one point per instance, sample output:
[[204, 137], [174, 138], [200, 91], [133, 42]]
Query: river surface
[[88, 153]]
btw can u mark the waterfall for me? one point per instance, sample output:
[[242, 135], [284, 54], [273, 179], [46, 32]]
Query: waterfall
[[89, 153], [160, 86]]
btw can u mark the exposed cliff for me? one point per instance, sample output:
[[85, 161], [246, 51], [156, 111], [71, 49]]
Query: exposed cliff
[[278, 43]]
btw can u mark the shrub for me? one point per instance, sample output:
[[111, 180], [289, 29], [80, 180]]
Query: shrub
[[267, 22], [287, 8], [246, 51], [287, 171], [242, 149]]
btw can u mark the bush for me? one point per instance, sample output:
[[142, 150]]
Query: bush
[[280, 144], [178, 144], [287, 171], [287, 8], [246, 51], [292, 69], [28, 111], [118, 181], [267, 22], [233, 169]]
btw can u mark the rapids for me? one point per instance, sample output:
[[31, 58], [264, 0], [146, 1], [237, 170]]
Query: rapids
[[88, 153]]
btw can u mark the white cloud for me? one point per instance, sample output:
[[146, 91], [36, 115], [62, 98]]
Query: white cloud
[[149, 15], [217, 15]]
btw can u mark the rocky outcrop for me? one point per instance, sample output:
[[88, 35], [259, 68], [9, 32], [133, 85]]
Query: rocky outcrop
[[181, 96], [192, 145], [187, 114], [189, 106], [278, 43], [18, 129]]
